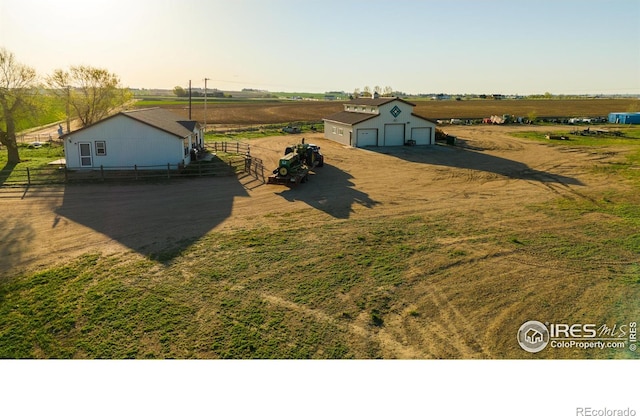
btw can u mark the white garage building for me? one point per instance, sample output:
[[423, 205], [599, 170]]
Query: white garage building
[[384, 121]]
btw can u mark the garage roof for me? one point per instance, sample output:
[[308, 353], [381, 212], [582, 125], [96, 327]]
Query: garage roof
[[350, 117]]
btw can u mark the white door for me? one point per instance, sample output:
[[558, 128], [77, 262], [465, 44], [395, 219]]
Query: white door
[[85, 155], [394, 135], [367, 137], [422, 135]]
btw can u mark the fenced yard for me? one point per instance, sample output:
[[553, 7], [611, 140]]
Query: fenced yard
[[221, 159]]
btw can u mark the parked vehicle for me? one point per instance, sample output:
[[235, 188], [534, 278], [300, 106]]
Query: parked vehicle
[[297, 162]]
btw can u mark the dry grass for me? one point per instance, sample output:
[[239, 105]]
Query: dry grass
[[432, 252]]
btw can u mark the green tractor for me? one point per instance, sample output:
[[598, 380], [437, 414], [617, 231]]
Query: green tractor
[[309, 154], [290, 164], [296, 163], [290, 170]]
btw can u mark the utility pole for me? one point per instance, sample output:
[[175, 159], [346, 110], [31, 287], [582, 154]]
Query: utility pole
[[205, 105], [189, 99]]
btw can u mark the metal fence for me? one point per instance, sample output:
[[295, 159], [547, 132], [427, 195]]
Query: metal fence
[[229, 147], [38, 138], [239, 162]]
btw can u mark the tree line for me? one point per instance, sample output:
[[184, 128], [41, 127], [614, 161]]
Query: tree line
[[89, 94], [380, 91]]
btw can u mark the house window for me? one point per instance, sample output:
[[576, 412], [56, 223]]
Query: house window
[[101, 148], [333, 129], [340, 131]]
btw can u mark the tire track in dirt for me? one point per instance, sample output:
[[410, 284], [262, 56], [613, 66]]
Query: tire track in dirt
[[449, 333], [390, 346], [464, 333]]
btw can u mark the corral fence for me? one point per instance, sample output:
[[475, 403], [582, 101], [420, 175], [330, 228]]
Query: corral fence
[[235, 161]]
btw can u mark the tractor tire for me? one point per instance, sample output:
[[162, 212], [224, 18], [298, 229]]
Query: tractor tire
[[283, 171]]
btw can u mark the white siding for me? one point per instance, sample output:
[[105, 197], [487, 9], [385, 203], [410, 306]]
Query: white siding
[[127, 143], [403, 117], [338, 132]]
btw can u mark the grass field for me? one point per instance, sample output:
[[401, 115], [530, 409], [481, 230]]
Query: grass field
[[630, 138], [302, 290]]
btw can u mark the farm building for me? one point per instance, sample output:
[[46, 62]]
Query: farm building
[[384, 121], [144, 139], [624, 118]]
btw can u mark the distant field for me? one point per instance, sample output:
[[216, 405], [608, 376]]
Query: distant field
[[269, 111]]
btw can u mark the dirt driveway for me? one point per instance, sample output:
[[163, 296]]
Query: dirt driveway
[[489, 174]]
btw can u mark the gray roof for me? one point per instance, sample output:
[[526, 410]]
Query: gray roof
[[350, 117], [189, 124], [159, 118]]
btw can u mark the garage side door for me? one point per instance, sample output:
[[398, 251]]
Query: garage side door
[[367, 137], [394, 134], [422, 135]]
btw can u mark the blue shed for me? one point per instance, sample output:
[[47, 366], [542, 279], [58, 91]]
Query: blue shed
[[624, 118]]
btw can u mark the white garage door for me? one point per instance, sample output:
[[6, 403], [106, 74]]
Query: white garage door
[[367, 137], [422, 135], [394, 134]]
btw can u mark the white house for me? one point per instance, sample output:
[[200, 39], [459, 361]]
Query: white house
[[147, 139], [384, 121]]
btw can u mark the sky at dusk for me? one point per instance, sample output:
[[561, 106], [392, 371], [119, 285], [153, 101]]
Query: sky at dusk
[[458, 46]]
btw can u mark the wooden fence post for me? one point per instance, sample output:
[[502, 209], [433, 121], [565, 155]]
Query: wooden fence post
[[168, 171], [135, 169], [66, 174], [28, 177], [102, 172]]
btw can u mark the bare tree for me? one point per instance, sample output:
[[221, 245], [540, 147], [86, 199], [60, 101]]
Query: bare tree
[[17, 100], [366, 92], [92, 92], [387, 92]]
